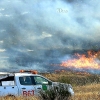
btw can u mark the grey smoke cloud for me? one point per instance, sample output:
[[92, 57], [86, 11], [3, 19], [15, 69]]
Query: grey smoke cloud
[[34, 31]]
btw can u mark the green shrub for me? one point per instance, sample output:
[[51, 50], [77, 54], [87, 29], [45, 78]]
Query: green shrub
[[59, 92]]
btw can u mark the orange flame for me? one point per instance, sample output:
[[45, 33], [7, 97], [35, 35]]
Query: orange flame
[[83, 61]]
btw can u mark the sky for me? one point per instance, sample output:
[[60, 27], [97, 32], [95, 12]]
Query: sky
[[36, 33]]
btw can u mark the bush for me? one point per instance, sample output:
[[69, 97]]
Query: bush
[[59, 92]]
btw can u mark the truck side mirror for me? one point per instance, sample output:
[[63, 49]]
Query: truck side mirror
[[50, 83]]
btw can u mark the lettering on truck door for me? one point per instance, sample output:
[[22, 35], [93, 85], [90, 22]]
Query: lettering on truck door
[[26, 86]]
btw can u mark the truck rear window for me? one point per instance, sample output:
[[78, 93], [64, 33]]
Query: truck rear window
[[9, 80]]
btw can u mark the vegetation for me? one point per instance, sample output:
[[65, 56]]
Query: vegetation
[[74, 78], [55, 93], [87, 92], [19, 98]]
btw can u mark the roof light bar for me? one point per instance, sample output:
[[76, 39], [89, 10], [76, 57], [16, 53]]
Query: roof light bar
[[30, 71]]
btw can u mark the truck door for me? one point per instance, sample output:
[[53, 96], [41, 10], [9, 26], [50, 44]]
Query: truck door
[[26, 86], [41, 83]]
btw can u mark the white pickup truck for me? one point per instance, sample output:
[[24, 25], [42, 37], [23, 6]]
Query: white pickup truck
[[25, 83]]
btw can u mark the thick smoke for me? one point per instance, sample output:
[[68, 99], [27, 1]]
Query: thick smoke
[[36, 33]]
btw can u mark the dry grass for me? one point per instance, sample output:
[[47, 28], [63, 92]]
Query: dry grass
[[86, 91], [75, 79], [86, 86], [19, 98]]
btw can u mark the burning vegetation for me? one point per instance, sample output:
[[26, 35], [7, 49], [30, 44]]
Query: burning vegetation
[[88, 61]]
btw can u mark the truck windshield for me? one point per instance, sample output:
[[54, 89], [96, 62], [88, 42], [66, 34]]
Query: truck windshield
[[41, 80]]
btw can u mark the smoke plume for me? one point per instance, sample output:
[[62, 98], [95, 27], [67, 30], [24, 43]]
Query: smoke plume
[[36, 33]]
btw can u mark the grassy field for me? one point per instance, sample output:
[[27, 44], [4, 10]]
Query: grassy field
[[85, 85], [87, 92], [74, 78]]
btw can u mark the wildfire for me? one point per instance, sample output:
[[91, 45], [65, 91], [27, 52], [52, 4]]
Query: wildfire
[[82, 61]]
